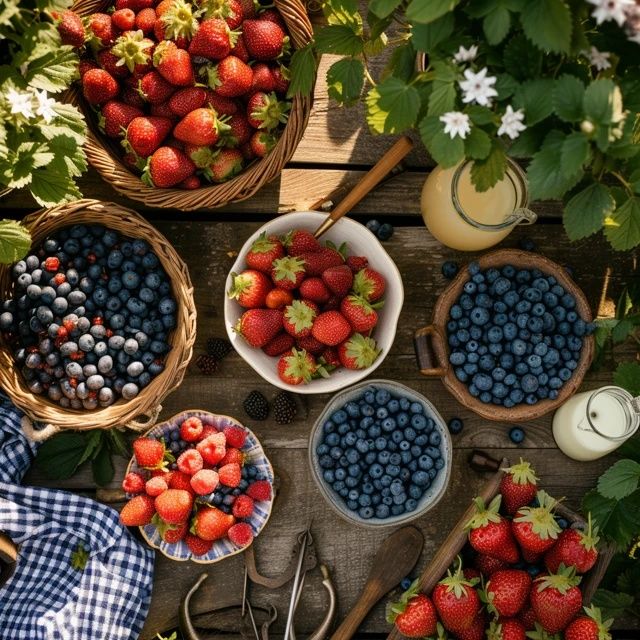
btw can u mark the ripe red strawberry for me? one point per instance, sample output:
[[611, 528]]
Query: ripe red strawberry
[[229, 10], [70, 27], [261, 143], [456, 601], [264, 39], [151, 453], [301, 241], [361, 315], [132, 97], [369, 284], [314, 289], [154, 88], [239, 49], [279, 345], [490, 533], [233, 455], [204, 482], [574, 548], [282, 78], [155, 486], [109, 62], [186, 100], [123, 19], [145, 134], [265, 111], [243, 507], [338, 279], [167, 167], [298, 367], [310, 344], [145, 20], [260, 491], [138, 511], [318, 262], [198, 546], [239, 131], [236, 435], [507, 592], [331, 358], [212, 448], [263, 79], [180, 480], [192, 182], [589, 627], [528, 618], [506, 629], [535, 528], [99, 86], [272, 15], [202, 157], [358, 352], [102, 28], [174, 505], [86, 65], [133, 483], [191, 429], [299, 317], [176, 22], [250, 288], [477, 629], [175, 533], [518, 486], [226, 164], [163, 110], [288, 272], [211, 523], [222, 106], [231, 77], [331, 328], [488, 565], [173, 64], [357, 263], [241, 534], [263, 252], [556, 599], [116, 117], [212, 40], [259, 326], [414, 614]]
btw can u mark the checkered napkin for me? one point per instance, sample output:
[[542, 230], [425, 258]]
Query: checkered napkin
[[47, 598]]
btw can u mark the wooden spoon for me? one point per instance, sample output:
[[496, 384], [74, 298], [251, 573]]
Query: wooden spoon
[[394, 560], [379, 170]]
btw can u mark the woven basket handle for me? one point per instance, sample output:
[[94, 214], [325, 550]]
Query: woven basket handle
[[141, 425], [37, 435]]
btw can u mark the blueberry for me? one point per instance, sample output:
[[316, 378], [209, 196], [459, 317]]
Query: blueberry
[[516, 434], [450, 269], [382, 511], [455, 425], [373, 226], [385, 231], [339, 417]]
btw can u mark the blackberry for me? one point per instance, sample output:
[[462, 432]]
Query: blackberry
[[256, 406], [284, 408], [218, 348], [207, 364]]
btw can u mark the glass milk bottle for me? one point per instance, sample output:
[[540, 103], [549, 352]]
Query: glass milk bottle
[[592, 424], [468, 220]]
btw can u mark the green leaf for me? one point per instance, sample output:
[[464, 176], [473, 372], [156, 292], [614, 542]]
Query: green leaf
[[303, 72], [620, 480], [622, 227], [50, 187], [568, 94], [602, 102], [527, 143], [496, 25], [392, 106], [340, 39], [586, 211], [627, 376], [102, 466], [447, 152], [383, 8], [343, 12], [28, 156], [618, 520], [118, 443], [506, 85], [621, 331], [631, 448], [535, 97], [68, 122], [425, 12], [479, 115], [547, 23], [58, 457], [426, 37], [53, 71], [345, 79], [402, 63], [611, 604], [442, 98], [522, 59], [575, 153], [546, 179], [477, 144], [488, 172], [69, 156], [94, 442], [15, 241]]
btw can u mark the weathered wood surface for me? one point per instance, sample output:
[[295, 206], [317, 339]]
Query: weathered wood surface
[[208, 248]]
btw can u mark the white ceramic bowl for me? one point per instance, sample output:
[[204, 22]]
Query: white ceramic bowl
[[361, 242]]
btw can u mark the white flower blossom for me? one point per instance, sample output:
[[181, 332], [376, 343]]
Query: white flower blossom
[[511, 123], [466, 55], [456, 124], [598, 59], [45, 106], [478, 87], [606, 10], [20, 102]]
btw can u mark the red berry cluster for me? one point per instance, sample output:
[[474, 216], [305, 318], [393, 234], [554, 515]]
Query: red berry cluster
[[308, 305], [195, 90], [212, 461], [523, 576]]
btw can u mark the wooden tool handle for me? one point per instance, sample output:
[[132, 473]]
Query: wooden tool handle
[[350, 624], [389, 160]]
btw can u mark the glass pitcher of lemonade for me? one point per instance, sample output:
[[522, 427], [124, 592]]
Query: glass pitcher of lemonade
[[468, 220], [592, 424]]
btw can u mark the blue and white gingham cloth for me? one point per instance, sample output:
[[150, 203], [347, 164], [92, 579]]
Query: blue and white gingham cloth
[[46, 598]]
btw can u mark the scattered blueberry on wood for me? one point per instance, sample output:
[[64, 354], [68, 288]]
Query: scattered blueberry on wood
[[455, 426], [516, 435], [450, 269]]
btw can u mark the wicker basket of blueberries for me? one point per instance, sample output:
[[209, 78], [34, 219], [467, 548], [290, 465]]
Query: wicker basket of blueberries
[[98, 321], [511, 336]]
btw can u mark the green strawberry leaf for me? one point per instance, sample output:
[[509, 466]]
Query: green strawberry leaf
[[426, 37], [303, 72], [622, 227], [587, 210], [54, 70], [621, 479], [15, 241], [59, 457], [345, 79], [101, 466], [575, 153], [447, 152], [425, 12], [486, 173], [392, 106], [496, 24], [618, 520], [568, 94], [611, 604], [383, 8], [627, 376], [477, 144], [339, 39], [602, 102], [50, 187], [548, 24], [536, 98]]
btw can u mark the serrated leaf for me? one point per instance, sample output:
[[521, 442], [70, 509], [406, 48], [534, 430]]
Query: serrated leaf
[[621, 479], [627, 376], [575, 153], [383, 8], [547, 23], [102, 467], [442, 98], [618, 520], [611, 604], [345, 79], [447, 152], [488, 172], [479, 115], [506, 85], [68, 122], [303, 72], [602, 102], [15, 241], [586, 211], [53, 71], [392, 106], [426, 37], [477, 144], [50, 188], [521, 58], [496, 25], [527, 143], [340, 39], [425, 12], [59, 456], [402, 63], [621, 331], [93, 443], [535, 97], [343, 12], [69, 156], [622, 227], [568, 94]]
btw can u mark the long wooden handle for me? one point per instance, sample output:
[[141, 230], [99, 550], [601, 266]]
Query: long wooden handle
[[354, 619], [381, 168]]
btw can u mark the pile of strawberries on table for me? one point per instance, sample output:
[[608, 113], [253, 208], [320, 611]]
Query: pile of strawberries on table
[[520, 576], [193, 90]]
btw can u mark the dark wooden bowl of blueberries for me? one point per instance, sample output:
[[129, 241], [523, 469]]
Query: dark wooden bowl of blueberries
[[511, 336]]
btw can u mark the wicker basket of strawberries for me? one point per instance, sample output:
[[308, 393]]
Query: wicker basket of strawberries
[[186, 101]]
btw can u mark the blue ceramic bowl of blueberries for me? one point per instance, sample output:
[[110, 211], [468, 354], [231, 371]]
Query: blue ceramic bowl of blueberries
[[380, 454]]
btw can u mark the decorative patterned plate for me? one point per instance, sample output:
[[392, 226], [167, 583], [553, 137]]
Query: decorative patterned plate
[[255, 455]]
